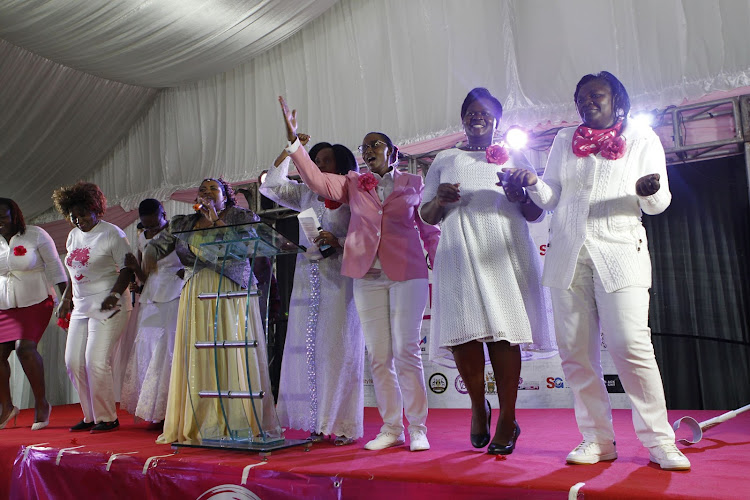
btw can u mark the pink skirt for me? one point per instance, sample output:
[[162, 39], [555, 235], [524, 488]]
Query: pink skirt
[[26, 323]]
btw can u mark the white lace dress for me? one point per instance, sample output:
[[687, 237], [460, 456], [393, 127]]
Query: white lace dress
[[146, 384], [322, 367], [486, 278]]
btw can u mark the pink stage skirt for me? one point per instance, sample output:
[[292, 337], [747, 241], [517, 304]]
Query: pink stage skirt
[[26, 323]]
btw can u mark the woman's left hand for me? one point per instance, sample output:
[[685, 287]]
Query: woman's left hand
[[290, 120], [208, 210], [647, 185], [326, 238], [109, 303]]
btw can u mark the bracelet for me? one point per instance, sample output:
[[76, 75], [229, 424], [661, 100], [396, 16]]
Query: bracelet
[[115, 295], [526, 200]]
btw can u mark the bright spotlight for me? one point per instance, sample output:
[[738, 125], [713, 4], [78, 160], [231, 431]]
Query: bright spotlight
[[516, 138], [644, 119]]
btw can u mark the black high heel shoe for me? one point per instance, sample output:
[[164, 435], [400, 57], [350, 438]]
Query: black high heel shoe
[[481, 440], [506, 449]]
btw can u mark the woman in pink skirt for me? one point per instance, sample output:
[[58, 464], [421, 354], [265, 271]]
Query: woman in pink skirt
[[28, 258]]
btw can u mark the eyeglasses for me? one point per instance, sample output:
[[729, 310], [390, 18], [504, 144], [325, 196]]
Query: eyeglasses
[[375, 145], [480, 114]]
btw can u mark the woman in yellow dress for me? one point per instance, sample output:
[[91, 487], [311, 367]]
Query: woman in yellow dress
[[190, 418]]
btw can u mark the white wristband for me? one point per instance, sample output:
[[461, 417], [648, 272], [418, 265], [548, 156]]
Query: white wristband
[[292, 147]]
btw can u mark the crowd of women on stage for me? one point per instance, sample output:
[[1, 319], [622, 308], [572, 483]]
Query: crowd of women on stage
[[363, 283]]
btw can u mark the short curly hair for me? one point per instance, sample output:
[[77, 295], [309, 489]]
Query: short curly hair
[[228, 191], [83, 194]]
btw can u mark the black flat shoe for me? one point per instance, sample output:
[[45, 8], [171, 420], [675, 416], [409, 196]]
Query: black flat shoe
[[82, 426], [481, 440], [505, 449], [105, 427]]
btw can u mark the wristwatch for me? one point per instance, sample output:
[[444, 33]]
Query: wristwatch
[[115, 295]]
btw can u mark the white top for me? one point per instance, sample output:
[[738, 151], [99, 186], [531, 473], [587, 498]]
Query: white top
[[595, 204], [487, 272], [25, 279], [94, 261], [162, 285]]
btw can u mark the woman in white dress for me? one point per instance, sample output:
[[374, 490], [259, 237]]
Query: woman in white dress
[[486, 275], [146, 385], [321, 370]]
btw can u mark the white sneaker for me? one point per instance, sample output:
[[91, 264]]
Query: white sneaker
[[418, 441], [590, 452], [385, 440], [668, 457]]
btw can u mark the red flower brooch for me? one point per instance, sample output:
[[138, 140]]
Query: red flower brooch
[[614, 148], [19, 250], [64, 322], [331, 205], [367, 182], [497, 154]]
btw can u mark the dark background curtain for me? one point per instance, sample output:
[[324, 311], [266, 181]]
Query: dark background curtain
[[699, 314]]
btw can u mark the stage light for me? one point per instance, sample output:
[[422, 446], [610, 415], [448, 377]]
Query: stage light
[[516, 137], [643, 119], [262, 177]]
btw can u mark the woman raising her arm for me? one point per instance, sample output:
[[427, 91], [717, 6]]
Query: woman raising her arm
[[384, 255]]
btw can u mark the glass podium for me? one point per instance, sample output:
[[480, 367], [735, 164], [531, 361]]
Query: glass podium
[[224, 354]]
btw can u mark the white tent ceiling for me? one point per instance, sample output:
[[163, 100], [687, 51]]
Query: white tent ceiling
[[400, 66]]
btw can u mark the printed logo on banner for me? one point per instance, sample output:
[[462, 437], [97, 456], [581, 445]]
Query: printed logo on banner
[[489, 383], [423, 344], [556, 383], [531, 385], [438, 383], [613, 384], [367, 382], [232, 491], [459, 385]]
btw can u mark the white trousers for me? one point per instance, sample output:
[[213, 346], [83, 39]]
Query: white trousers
[[623, 315], [88, 353], [391, 316]]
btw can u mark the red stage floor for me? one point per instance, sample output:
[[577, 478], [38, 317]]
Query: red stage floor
[[451, 469]]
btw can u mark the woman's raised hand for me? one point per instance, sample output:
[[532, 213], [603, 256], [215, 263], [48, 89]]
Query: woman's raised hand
[[448, 193], [516, 178], [647, 185], [290, 120]]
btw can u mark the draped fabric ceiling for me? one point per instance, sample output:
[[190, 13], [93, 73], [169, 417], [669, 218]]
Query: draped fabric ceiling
[[146, 98]]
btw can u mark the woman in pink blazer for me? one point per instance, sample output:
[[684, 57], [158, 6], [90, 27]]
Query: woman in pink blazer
[[384, 255]]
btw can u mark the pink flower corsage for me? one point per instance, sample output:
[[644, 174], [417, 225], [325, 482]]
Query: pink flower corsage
[[367, 182], [614, 148], [19, 250], [497, 154]]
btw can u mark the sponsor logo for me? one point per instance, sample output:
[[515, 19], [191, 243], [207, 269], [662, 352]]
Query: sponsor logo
[[233, 491], [530, 385], [556, 383], [438, 383], [459, 385], [367, 382], [613, 384]]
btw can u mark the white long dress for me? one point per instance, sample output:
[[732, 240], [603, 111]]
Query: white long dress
[[487, 272], [146, 384], [322, 367]]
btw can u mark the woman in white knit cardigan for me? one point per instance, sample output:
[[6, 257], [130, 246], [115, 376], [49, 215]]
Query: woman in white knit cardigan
[[600, 177]]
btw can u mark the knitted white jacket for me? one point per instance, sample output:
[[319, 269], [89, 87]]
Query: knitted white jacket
[[594, 202]]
